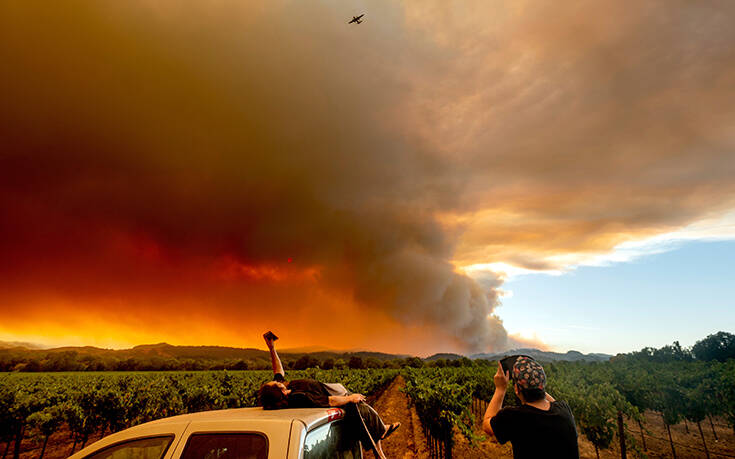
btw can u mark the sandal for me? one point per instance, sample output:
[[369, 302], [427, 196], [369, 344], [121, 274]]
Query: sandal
[[393, 427]]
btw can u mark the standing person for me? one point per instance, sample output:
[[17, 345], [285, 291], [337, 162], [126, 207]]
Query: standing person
[[310, 393], [541, 426]]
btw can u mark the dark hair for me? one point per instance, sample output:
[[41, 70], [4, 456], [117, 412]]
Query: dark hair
[[533, 395], [272, 397]]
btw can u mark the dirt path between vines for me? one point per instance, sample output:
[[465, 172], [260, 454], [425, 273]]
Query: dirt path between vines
[[408, 441]]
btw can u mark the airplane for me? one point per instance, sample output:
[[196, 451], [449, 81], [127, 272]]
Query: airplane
[[356, 19]]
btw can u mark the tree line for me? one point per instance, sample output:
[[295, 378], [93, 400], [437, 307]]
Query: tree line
[[718, 346], [70, 360]]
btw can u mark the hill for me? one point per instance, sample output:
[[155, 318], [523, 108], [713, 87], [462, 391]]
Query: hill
[[545, 356], [18, 344], [445, 356], [164, 356]]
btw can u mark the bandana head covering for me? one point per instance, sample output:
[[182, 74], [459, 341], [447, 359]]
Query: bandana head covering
[[529, 374]]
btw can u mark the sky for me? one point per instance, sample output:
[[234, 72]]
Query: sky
[[680, 295], [461, 178]]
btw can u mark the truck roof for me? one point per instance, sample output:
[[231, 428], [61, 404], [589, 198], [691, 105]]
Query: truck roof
[[310, 417], [274, 423]]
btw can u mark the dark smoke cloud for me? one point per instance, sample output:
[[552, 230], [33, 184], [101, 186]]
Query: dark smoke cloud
[[195, 132], [173, 156]]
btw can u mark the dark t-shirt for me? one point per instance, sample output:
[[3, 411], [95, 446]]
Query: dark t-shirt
[[305, 393], [537, 433]]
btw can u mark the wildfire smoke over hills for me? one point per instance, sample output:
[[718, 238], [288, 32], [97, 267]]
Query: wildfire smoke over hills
[[197, 173]]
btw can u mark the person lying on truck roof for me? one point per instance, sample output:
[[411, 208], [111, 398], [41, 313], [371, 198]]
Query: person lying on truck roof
[[541, 426], [310, 393]]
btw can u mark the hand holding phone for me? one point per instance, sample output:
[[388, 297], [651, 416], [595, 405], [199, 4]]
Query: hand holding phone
[[508, 362]]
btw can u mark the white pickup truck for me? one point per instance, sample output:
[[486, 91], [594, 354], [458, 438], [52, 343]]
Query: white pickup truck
[[243, 433]]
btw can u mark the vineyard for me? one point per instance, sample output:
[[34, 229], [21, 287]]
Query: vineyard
[[608, 400], [604, 398], [90, 404]]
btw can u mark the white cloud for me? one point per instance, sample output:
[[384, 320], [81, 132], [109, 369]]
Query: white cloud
[[710, 229]]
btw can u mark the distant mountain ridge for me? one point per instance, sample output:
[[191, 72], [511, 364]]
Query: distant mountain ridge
[[445, 356], [547, 356], [20, 344], [165, 351]]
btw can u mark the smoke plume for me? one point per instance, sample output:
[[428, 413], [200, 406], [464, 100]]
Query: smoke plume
[[200, 171]]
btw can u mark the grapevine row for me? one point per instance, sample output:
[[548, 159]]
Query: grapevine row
[[89, 403], [601, 395]]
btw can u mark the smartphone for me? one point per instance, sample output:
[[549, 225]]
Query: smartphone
[[508, 362], [270, 335]]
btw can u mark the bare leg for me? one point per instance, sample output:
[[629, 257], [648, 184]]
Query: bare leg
[[378, 451]]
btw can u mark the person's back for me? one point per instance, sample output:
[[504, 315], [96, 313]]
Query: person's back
[[536, 433], [541, 426]]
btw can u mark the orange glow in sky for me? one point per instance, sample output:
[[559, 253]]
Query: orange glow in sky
[[198, 173]]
